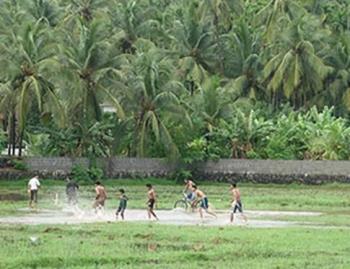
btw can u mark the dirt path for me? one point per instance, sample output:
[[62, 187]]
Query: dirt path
[[174, 217]]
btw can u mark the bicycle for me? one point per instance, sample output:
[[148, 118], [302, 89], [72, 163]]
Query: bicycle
[[184, 203]]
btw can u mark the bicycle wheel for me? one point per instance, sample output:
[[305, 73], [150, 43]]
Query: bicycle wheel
[[180, 204]]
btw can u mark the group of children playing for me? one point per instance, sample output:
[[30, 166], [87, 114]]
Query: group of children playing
[[194, 195]]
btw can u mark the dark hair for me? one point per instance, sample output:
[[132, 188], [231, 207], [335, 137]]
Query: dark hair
[[234, 185], [149, 185], [97, 183], [194, 186], [122, 190]]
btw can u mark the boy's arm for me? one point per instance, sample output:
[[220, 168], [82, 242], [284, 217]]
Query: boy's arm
[[186, 188]]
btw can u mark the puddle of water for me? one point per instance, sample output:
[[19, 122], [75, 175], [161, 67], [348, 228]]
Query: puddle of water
[[170, 217]]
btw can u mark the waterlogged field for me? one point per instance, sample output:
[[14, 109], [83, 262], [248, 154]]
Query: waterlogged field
[[321, 243], [326, 198]]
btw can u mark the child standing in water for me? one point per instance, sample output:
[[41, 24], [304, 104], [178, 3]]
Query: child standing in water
[[204, 204], [236, 202], [101, 197], [33, 187], [122, 204]]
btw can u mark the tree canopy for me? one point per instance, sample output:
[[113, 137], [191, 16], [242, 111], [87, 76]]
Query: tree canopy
[[188, 79]]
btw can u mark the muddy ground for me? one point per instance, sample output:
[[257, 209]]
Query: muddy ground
[[257, 219]]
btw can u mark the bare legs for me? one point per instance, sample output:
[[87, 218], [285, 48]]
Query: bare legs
[[151, 213], [121, 214], [207, 211], [232, 216]]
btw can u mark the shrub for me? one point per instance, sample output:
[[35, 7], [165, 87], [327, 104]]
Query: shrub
[[95, 173], [19, 165], [80, 173], [181, 175]]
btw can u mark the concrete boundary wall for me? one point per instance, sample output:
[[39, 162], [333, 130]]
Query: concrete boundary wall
[[275, 171], [267, 171], [112, 167]]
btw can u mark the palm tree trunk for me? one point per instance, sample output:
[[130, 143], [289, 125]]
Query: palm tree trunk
[[20, 144], [11, 134], [13, 131]]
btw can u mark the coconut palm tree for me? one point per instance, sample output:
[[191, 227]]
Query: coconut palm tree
[[26, 55], [296, 72], [89, 63], [276, 15], [338, 86], [154, 98], [193, 44], [132, 20]]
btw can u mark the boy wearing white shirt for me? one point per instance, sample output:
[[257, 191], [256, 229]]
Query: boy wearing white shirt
[[33, 187]]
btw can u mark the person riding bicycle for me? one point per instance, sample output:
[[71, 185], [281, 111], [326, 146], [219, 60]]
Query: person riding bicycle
[[190, 195]]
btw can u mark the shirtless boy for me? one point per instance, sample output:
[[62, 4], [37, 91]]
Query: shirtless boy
[[204, 204], [236, 202], [151, 195], [101, 197]]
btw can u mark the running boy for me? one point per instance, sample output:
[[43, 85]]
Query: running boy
[[122, 204], [101, 197], [236, 202], [33, 187], [151, 195], [72, 191], [201, 197]]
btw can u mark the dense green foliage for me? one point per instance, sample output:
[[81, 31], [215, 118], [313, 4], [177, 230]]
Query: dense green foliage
[[191, 79]]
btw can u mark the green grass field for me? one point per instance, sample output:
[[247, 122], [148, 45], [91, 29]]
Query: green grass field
[[152, 245], [121, 245]]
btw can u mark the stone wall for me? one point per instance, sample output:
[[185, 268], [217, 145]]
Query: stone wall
[[54, 164], [274, 171], [112, 167], [136, 167]]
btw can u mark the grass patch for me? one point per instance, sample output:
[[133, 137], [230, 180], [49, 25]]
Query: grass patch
[[149, 245], [127, 245], [327, 198]]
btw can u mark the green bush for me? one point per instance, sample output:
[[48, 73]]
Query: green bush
[[80, 173], [95, 173], [19, 165], [182, 174]]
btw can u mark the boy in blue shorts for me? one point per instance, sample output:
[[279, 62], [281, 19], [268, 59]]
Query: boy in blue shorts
[[204, 204], [236, 202]]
